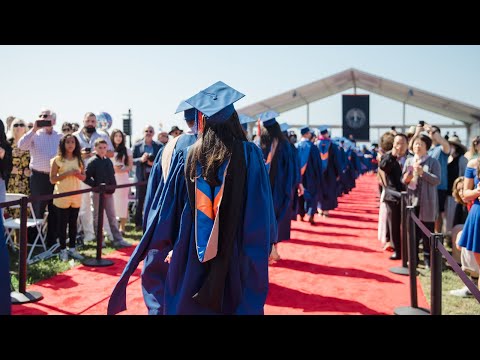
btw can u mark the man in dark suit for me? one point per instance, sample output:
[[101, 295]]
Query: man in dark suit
[[144, 153]]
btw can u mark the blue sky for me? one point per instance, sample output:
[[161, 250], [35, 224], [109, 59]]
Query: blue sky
[[152, 80]]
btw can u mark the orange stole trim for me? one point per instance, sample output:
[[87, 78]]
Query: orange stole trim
[[204, 204], [324, 156], [303, 169], [269, 158]]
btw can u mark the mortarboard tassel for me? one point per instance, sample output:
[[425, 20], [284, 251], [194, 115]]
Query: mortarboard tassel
[[200, 121]]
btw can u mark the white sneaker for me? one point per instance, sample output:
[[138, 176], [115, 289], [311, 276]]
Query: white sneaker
[[75, 254], [121, 243], [463, 292], [63, 255]]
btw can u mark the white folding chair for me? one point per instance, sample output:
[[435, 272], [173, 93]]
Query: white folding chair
[[12, 224]]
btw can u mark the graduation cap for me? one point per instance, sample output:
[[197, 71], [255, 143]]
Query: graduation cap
[[268, 117], [284, 127], [216, 102], [245, 120], [304, 130], [323, 129], [188, 111]]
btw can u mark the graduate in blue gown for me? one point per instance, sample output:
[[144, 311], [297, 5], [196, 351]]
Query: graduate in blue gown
[[151, 242], [5, 300], [281, 170], [310, 169], [330, 172], [221, 216], [297, 186], [216, 219], [180, 142], [351, 166]]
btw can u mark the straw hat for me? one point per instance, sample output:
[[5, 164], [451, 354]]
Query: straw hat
[[456, 141]]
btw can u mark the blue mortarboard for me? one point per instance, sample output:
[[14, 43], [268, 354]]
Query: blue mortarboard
[[188, 111], [284, 127], [304, 130], [245, 120], [216, 102], [268, 117], [323, 129]]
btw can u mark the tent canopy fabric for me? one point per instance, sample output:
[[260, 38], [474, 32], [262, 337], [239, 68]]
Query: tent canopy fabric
[[352, 78]]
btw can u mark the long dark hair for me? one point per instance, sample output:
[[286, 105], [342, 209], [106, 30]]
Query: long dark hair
[[62, 151], [213, 147], [121, 149], [269, 133]]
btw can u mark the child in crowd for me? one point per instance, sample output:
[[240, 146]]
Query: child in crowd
[[100, 170], [66, 172]]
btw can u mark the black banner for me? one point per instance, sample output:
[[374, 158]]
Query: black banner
[[356, 117]]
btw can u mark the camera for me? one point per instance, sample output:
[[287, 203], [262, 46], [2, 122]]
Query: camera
[[44, 123], [421, 123], [151, 157], [88, 150]]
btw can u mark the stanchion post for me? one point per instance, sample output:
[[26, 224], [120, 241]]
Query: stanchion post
[[436, 274], [98, 261], [412, 268], [404, 229], [412, 256], [22, 270], [22, 296]]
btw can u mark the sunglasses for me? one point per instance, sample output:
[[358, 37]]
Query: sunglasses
[[67, 129], [43, 116], [149, 131], [19, 124], [30, 126]]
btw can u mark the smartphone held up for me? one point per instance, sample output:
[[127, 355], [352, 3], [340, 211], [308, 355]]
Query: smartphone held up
[[44, 123]]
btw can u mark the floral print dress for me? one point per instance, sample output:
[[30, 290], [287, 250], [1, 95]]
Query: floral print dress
[[19, 181]]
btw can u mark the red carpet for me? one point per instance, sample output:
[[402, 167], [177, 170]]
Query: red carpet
[[335, 267]]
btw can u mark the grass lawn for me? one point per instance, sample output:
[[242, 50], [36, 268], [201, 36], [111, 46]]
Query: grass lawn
[[50, 267], [451, 305]]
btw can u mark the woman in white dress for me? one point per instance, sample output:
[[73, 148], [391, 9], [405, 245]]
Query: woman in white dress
[[122, 163]]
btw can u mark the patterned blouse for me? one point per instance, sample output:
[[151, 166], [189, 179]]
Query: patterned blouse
[[19, 181]]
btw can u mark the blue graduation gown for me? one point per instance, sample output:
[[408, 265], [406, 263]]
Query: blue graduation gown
[[5, 301], [311, 179], [297, 181], [282, 189], [153, 242], [247, 278], [330, 171], [351, 169], [340, 155], [154, 181]]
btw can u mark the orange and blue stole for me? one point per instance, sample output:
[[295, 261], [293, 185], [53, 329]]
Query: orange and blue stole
[[324, 148], [207, 205], [303, 154]]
